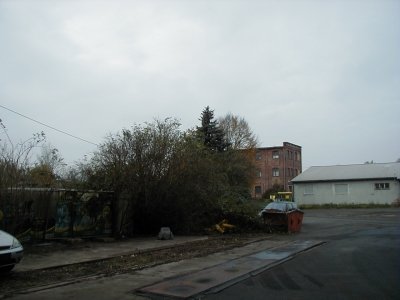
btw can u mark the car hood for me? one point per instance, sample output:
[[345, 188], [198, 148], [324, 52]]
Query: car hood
[[5, 239]]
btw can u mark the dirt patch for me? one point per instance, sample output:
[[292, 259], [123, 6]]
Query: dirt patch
[[17, 281]]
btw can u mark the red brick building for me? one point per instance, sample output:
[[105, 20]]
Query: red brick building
[[276, 166]]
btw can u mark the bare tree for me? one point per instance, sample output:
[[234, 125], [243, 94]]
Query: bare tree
[[14, 169], [49, 167], [51, 156], [237, 132], [14, 158]]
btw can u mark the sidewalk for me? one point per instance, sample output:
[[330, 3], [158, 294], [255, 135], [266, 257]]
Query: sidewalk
[[90, 251], [220, 276], [143, 284]]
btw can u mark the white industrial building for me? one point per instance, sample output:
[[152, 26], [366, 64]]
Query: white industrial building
[[377, 183]]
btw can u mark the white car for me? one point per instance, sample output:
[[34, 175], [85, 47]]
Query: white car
[[11, 251]]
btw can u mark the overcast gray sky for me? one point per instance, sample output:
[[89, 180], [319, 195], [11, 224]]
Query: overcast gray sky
[[321, 74]]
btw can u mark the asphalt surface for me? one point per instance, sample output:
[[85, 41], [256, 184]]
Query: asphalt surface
[[125, 286], [226, 273], [359, 259]]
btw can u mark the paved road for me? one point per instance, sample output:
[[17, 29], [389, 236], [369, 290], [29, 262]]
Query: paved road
[[360, 260]]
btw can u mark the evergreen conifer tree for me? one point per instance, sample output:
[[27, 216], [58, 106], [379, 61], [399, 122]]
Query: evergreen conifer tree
[[210, 132]]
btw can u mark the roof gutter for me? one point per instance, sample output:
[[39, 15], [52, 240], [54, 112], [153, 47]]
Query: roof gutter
[[344, 180]]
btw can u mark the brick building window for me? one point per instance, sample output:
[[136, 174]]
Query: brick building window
[[275, 154], [258, 173], [257, 189], [258, 155], [275, 172], [297, 156]]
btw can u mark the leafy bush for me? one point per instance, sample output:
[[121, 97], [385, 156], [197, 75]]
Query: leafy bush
[[172, 178]]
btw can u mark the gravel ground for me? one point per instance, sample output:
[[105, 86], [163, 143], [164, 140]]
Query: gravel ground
[[17, 281]]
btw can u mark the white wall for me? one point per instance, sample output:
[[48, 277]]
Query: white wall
[[357, 192]]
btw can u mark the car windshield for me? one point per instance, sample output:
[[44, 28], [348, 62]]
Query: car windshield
[[281, 206]]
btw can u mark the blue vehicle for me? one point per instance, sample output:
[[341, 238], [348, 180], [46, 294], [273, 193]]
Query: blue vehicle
[[282, 215]]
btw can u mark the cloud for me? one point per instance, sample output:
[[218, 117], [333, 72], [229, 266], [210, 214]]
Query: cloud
[[309, 72]]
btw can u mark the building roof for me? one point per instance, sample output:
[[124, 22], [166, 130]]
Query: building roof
[[287, 144], [350, 172]]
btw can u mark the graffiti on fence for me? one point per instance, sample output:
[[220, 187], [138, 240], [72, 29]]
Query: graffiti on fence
[[55, 213], [16, 216], [83, 214]]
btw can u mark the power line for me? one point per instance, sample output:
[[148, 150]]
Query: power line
[[48, 126]]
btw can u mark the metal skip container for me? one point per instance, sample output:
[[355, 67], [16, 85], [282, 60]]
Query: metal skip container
[[283, 216]]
